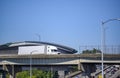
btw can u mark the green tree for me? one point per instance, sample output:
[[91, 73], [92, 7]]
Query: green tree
[[23, 74], [93, 51], [7, 76], [35, 74]]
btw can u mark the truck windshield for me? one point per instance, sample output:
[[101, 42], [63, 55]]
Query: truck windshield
[[53, 50]]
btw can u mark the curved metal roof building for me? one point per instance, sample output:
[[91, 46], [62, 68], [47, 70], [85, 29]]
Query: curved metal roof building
[[12, 48]]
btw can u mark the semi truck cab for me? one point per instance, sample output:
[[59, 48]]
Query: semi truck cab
[[52, 50]]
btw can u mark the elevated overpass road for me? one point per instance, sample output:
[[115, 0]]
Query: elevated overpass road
[[58, 60], [66, 59]]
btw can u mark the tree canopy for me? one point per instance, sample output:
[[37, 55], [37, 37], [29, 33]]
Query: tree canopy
[[93, 51], [37, 74]]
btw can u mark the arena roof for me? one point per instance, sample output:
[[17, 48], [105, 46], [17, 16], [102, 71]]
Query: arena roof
[[36, 43]]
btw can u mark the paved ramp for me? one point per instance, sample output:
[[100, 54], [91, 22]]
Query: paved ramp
[[73, 74], [116, 74]]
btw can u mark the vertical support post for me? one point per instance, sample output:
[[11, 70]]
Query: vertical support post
[[79, 65], [13, 71], [30, 65]]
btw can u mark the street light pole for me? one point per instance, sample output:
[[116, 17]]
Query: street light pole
[[103, 42], [103, 47], [39, 37], [31, 62]]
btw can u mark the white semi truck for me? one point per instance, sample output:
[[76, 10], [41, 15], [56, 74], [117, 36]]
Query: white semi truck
[[43, 49]]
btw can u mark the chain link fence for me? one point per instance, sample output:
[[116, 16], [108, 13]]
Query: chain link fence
[[109, 49]]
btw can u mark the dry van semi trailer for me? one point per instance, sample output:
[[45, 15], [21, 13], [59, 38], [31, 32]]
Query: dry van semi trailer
[[43, 49]]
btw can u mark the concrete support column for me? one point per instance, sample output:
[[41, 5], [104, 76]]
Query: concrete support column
[[80, 67], [9, 69], [61, 74]]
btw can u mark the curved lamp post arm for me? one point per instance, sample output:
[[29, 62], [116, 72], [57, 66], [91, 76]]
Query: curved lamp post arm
[[109, 20]]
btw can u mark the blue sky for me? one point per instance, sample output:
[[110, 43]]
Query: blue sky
[[67, 22]]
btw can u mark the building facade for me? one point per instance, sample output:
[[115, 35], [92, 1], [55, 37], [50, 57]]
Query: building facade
[[34, 47]]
